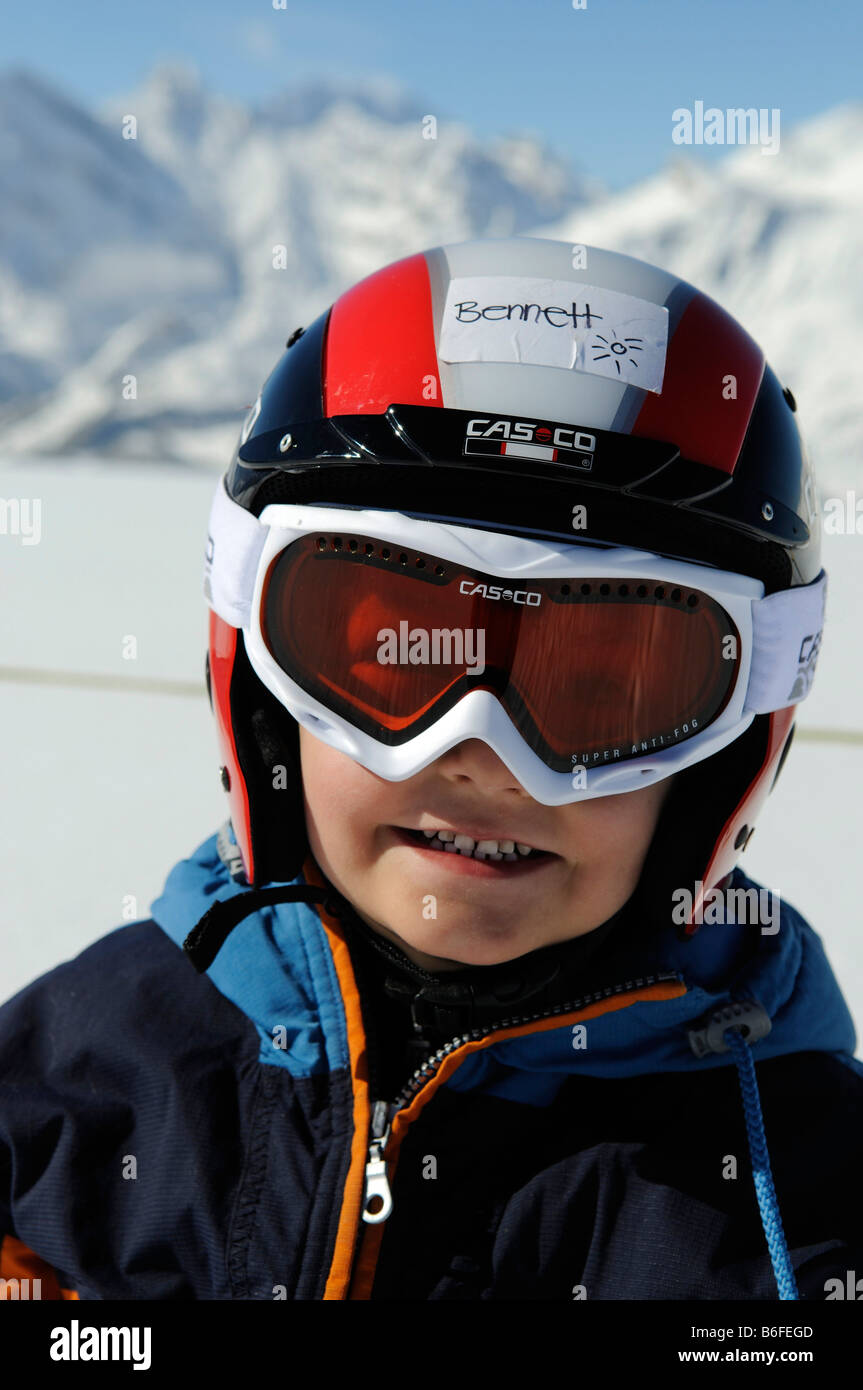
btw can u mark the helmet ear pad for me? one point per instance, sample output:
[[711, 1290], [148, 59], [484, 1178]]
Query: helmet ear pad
[[268, 748], [709, 815]]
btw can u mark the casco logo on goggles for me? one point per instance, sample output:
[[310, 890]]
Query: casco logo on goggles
[[367, 626], [531, 597]]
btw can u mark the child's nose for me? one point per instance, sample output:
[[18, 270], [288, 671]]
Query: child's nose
[[474, 761]]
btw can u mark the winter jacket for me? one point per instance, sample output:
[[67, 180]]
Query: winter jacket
[[169, 1134]]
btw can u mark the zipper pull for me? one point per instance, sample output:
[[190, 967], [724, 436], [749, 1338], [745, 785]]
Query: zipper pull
[[376, 1169]]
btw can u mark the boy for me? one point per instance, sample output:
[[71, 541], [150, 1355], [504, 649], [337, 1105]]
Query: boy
[[515, 583]]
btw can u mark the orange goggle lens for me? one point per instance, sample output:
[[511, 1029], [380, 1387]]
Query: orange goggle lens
[[588, 669]]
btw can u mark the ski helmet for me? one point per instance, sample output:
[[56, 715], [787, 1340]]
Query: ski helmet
[[502, 404]]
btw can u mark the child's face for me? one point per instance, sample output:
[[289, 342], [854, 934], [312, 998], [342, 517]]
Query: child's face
[[481, 917]]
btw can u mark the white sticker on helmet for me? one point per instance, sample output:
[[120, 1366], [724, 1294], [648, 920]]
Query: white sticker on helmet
[[555, 323]]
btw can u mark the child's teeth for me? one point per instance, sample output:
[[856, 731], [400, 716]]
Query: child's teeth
[[496, 850]]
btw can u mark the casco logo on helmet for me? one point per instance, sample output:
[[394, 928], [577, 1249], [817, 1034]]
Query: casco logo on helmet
[[563, 436], [531, 597], [543, 441]]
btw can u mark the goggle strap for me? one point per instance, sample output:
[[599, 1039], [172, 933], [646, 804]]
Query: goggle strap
[[235, 540], [786, 638]]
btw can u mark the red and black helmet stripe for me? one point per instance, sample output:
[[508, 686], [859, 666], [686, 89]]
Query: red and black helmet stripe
[[380, 344], [713, 374]]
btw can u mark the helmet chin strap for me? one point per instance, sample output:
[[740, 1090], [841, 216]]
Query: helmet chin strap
[[453, 1001]]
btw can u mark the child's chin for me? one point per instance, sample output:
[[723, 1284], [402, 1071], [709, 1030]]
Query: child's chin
[[455, 955]]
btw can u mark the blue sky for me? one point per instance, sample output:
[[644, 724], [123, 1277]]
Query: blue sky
[[599, 83]]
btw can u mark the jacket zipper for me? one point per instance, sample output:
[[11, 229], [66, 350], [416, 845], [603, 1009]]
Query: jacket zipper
[[384, 1112], [376, 1185]]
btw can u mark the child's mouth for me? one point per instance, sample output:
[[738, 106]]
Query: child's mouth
[[498, 855]]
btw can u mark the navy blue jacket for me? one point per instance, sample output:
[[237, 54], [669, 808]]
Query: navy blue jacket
[[169, 1134]]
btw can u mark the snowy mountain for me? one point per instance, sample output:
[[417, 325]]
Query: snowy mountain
[[92, 233], [269, 214], [185, 257], [778, 241]]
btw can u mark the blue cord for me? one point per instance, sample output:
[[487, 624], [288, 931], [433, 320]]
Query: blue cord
[[762, 1177]]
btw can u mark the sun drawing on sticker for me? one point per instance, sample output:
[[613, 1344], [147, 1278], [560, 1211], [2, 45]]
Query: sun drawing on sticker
[[618, 349]]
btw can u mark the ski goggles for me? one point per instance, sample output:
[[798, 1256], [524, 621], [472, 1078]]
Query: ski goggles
[[590, 670]]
